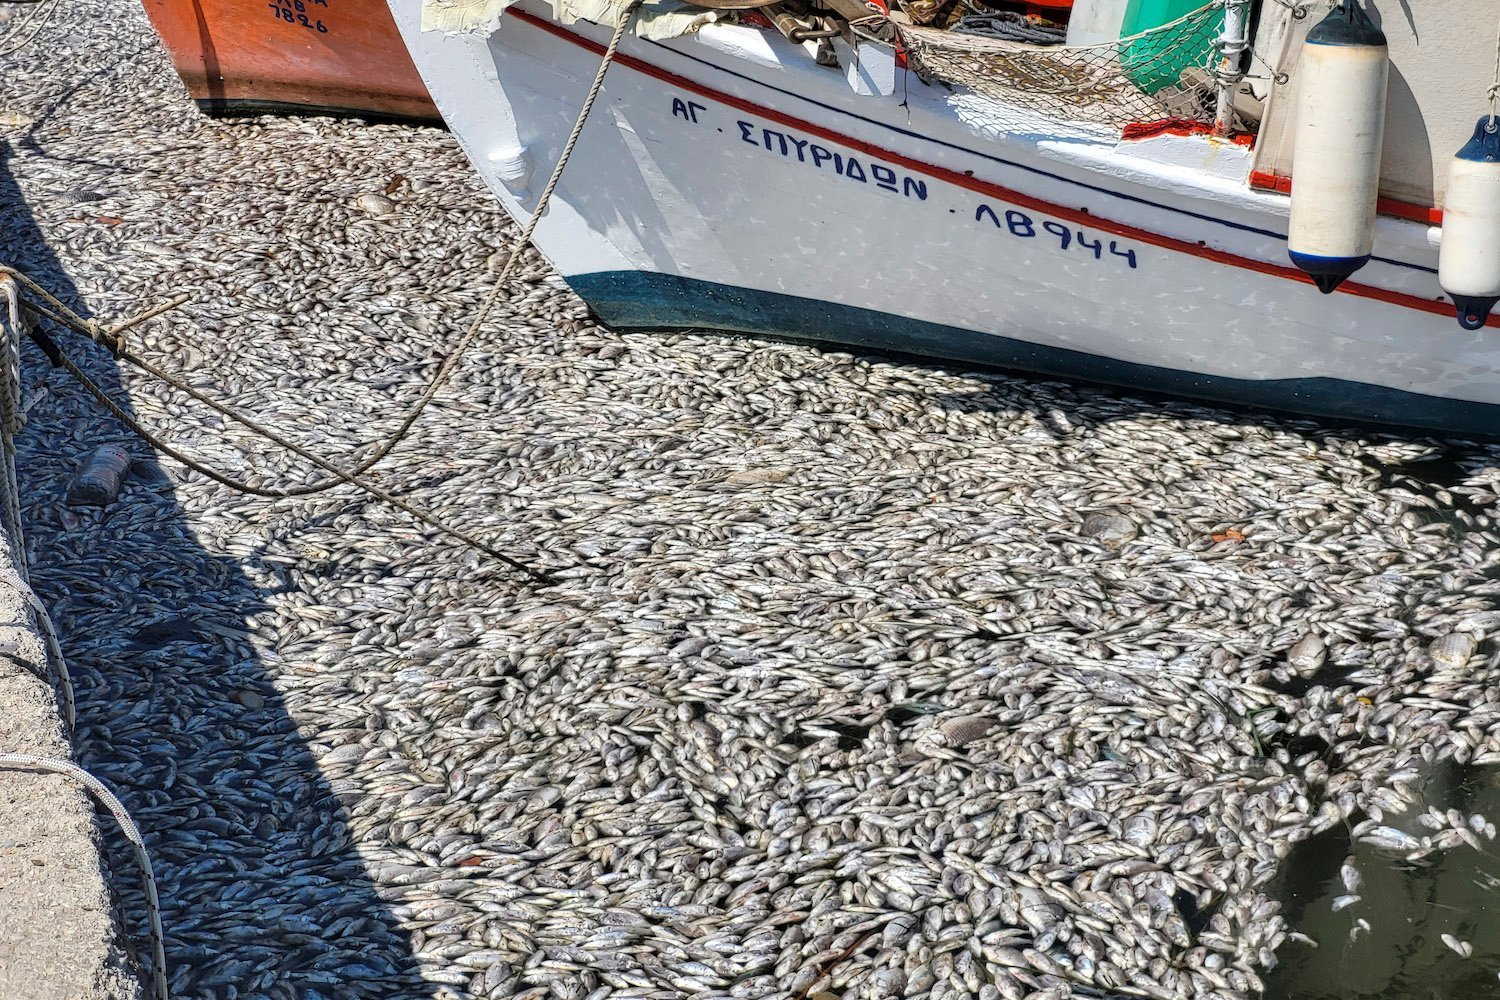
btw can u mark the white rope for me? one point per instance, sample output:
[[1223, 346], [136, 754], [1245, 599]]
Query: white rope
[[39, 16], [9, 575], [9, 422], [1494, 91], [132, 833]]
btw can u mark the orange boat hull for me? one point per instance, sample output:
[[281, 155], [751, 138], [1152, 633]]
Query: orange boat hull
[[314, 56]]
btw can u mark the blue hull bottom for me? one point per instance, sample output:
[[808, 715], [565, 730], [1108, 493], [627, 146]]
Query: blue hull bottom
[[640, 300]]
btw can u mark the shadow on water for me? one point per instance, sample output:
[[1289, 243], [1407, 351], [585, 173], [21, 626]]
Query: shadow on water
[[1188, 405], [263, 893], [1094, 396]]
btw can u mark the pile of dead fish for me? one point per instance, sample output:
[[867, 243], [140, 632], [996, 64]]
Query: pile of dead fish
[[860, 678]]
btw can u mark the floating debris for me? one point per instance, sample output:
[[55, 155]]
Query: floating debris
[[1452, 651], [100, 477], [1112, 530], [965, 729], [1307, 656], [250, 699], [375, 204]]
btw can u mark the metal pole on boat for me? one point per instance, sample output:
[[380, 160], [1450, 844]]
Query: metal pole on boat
[[1232, 45]]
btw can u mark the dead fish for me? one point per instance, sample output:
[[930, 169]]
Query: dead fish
[[1463, 949]]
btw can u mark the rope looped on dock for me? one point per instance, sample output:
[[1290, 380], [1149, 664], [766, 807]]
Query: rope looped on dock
[[14, 575], [132, 833]]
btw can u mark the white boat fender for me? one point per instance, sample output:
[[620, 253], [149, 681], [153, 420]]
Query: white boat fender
[[1469, 258], [1340, 128]]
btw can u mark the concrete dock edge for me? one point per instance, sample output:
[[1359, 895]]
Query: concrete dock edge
[[59, 939]]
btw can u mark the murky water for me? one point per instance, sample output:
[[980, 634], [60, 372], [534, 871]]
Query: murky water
[[1390, 943]]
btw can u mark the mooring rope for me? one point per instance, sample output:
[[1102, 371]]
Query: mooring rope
[[43, 302], [112, 338], [1494, 91], [93, 388], [13, 578], [10, 413], [40, 16], [132, 834]]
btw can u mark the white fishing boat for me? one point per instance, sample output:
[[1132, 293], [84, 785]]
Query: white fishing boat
[[1117, 213]]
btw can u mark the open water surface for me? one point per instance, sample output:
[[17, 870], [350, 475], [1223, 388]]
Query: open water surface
[[1389, 944]]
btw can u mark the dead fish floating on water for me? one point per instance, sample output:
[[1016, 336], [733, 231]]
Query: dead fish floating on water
[[1387, 838], [1349, 875], [591, 792], [1463, 949]]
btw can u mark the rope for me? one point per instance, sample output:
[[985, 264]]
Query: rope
[[111, 338], [40, 16], [1494, 91], [9, 575], [241, 486], [461, 349], [1009, 26], [10, 414], [132, 834]]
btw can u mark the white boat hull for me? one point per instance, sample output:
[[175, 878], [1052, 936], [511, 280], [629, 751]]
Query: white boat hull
[[727, 182]]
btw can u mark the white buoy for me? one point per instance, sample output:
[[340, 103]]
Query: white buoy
[[1469, 259], [1340, 128]]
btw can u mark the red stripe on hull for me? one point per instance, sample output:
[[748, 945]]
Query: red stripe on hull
[[970, 183], [1426, 214]]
